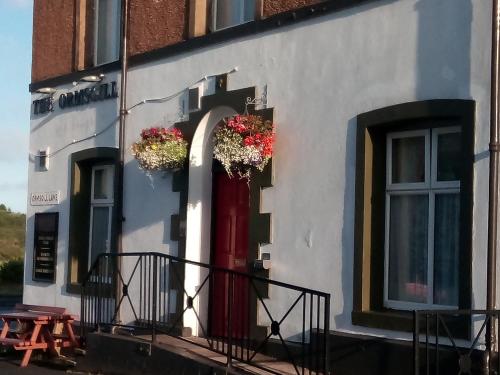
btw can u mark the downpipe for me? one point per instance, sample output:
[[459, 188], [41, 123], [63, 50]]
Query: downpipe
[[121, 140], [494, 148]]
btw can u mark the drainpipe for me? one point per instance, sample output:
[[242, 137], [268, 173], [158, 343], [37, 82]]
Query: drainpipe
[[494, 147], [121, 137]]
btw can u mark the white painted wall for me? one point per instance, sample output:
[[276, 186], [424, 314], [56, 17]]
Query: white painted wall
[[57, 130], [320, 75]]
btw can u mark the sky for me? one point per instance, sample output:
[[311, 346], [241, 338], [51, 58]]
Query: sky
[[15, 74]]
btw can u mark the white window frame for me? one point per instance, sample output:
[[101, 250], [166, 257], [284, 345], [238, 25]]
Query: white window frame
[[430, 187], [96, 34], [96, 202], [240, 21], [409, 185], [435, 183], [109, 171]]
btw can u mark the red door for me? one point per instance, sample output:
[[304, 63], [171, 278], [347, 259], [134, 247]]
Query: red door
[[232, 206]]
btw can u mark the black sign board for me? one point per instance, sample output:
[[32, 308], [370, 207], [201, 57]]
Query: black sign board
[[44, 256]]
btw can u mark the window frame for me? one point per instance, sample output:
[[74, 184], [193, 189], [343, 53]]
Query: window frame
[[101, 203], [213, 18], [117, 47], [80, 192], [110, 170], [430, 188], [370, 177]]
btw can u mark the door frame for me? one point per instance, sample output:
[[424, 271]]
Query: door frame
[[197, 131]]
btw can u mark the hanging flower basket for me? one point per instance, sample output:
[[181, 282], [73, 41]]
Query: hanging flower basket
[[243, 143], [160, 149]]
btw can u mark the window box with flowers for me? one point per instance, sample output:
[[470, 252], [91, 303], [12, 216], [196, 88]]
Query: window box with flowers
[[160, 149], [244, 143]]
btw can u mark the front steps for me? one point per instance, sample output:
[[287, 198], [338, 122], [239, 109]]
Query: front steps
[[115, 354]]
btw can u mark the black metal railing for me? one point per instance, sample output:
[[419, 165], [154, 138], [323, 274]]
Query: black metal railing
[[452, 342], [233, 312]]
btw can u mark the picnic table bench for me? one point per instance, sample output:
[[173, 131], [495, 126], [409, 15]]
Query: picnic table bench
[[37, 328]]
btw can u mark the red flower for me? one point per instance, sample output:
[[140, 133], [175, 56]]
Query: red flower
[[248, 141]]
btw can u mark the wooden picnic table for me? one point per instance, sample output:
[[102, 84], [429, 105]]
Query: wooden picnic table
[[37, 328]]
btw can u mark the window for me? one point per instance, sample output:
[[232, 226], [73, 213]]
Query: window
[[422, 218], [413, 211], [93, 217], [101, 209], [107, 31], [228, 13]]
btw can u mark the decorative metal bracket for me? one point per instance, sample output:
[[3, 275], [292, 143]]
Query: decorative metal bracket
[[257, 101]]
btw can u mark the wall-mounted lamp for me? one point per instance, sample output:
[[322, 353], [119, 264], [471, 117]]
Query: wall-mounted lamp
[[92, 78], [46, 90], [264, 263], [43, 160]]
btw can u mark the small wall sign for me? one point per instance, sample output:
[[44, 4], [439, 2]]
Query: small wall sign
[[45, 198], [45, 251]]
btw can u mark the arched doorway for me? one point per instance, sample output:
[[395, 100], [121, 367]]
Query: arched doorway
[[193, 226], [199, 212]]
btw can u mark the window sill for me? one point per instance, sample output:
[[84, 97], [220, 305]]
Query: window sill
[[386, 319], [74, 288], [397, 320]]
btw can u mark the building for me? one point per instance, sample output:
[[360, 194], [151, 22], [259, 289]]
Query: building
[[376, 193]]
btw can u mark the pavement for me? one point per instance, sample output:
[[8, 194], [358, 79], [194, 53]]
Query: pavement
[[10, 365], [9, 360]]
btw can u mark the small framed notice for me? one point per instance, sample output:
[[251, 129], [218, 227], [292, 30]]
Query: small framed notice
[[45, 198], [45, 251]]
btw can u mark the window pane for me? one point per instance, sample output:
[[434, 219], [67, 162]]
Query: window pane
[[249, 12], [108, 31], [446, 245], [408, 248], [233, 12], [101, 184], [408, 160], [448, 157], [227, 13], [100, 224]]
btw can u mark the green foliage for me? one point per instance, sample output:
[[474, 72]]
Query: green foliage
[[12, 271], [12, 234]]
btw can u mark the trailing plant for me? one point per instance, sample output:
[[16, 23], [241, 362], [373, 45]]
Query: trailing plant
[[243, 143], [160, 149]]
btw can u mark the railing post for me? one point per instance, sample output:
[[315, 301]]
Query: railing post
[[416, 343], [83, 330], [155, 296], [98, 315], [230, 321], [327, 334]]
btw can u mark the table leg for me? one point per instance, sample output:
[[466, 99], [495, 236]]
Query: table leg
[[33, 339], [71, 335], [49, 339], [5, 329], [26, 358]]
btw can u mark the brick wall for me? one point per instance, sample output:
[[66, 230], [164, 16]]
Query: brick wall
[[156, 24], [57, 31], [272, 7], [53, 36]]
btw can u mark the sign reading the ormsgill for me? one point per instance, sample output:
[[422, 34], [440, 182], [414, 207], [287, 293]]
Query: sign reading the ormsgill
[[84, 96]]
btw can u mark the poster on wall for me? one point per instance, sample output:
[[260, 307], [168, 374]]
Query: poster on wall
[[44, 255]]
